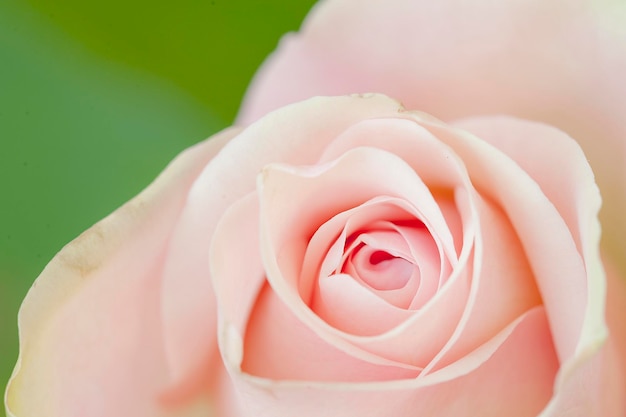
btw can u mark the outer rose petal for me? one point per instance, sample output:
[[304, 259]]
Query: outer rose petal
[[595, 374], [528, 376], [558, 61], [90, 329]]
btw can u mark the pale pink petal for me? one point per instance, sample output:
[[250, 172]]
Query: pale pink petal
[[545, 237], [562, 172], [503, 286], [188, 303], [384, 236], [525, 382], [432, 270], [429, 328], [348, 306], [551, 158], [592, 385], [235, 262], [91, 338], [400, 297], [279, 346], [589, 381], [558, 61]]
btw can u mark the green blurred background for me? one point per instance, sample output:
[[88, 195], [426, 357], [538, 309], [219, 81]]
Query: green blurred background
[[96, 98]]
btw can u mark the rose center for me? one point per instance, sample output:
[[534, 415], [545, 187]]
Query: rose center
[[381, 270]]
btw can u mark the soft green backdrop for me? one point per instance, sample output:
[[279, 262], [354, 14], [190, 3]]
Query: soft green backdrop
[[95, 99]]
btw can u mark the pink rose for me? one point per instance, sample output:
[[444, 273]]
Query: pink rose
[[364, 259], [346, 256]]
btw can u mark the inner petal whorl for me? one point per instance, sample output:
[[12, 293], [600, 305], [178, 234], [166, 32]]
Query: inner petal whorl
[[380, 269]]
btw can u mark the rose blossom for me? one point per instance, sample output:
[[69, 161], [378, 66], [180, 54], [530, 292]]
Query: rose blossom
[[364, 259]]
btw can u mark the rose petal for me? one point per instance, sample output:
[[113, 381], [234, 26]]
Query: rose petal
[[570, 188], [589, 386], [379, 269], [191, 349], [270, 354], [90, 335], [348, 306], [537, 149], [433, 274], [589, 377], [237, 284], [503, 286], [544, 235], [525, 382]]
